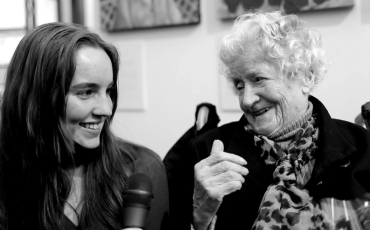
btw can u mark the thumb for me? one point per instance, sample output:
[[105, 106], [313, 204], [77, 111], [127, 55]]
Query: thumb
[[217, 146]]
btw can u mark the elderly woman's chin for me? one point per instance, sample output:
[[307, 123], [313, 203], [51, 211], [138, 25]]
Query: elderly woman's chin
[[263, 125]]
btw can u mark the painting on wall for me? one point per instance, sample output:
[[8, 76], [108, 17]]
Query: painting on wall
[[120, 15], [230, 9]]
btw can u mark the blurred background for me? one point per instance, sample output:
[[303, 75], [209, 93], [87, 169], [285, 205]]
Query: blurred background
[[166, 71]]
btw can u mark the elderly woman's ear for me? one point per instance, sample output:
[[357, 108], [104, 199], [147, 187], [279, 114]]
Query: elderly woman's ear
[[308, 83]]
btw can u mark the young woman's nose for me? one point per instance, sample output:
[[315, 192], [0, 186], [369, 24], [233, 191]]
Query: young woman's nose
[[104, 106]]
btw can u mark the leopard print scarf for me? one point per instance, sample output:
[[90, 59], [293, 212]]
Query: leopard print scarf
[[286, 204]]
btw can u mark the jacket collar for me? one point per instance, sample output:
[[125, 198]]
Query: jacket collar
[[333, 147]]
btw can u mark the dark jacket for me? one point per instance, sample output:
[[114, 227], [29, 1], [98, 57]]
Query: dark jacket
[[342, 168], [176, 162]]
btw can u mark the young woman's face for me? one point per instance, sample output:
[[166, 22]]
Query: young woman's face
[[88, 102]]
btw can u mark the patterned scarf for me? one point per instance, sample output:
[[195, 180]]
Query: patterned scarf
[[286, 204]]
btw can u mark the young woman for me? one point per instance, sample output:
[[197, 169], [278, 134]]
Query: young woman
[[61, 166]]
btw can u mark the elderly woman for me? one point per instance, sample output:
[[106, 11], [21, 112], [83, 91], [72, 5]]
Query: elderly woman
[[273, 167]]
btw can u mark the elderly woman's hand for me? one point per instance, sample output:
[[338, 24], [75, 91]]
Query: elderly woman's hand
[[216, 176]]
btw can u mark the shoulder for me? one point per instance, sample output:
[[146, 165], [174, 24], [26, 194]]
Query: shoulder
[[346, 147], [149, 163], [354, 134], [223, 132], [345, 125], [229, 134], [144, 159], [337, 133]]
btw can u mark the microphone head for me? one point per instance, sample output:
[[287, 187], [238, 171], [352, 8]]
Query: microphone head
[[139, 181], [137, 196], [138, 190]]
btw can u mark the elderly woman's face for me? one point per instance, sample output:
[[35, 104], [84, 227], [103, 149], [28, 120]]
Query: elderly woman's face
[[269, 100]]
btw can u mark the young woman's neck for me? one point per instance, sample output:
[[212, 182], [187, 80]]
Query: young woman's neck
[[78, 171], [74, 204]]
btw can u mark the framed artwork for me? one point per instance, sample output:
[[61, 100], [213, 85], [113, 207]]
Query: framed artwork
[[120, 15], [230, 9]]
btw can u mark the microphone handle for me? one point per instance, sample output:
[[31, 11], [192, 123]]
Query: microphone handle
[[135, 216]]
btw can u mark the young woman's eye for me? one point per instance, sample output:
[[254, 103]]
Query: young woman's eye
[[85, 93]]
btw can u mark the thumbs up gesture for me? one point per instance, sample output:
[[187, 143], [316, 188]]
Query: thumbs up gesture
[[215, 177]]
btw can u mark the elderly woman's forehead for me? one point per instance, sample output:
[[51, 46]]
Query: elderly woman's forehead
[[254, 68]]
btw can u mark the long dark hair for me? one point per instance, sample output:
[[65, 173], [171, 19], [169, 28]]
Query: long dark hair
[[35, 144]]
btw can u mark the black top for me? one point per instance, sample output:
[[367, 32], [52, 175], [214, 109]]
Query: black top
[[147, 162]]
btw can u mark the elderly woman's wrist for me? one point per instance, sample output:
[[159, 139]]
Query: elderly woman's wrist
[[201, 220]]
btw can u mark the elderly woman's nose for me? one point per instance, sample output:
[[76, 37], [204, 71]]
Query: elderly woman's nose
[[250, 95]]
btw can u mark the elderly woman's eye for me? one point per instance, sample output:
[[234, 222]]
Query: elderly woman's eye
[[239, 85], [111, 89], [258, 79]]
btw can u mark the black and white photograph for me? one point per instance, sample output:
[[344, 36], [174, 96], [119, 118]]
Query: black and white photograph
[[118, 15]]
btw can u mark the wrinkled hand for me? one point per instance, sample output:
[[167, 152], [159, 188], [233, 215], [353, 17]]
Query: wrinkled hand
[[215, 177]]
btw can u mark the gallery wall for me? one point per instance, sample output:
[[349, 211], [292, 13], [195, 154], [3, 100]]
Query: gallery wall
[[179, 69]]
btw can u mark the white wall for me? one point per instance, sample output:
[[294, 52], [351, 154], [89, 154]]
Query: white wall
[[182, 70]]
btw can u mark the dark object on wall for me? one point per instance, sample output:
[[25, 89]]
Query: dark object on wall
[[230, 9], [120, 15]]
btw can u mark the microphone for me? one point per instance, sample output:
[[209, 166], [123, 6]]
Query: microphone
[[365, 112], [138, 194]]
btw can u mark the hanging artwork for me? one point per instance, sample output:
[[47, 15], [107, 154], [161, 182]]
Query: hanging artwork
[[119, 15], [230, 9]]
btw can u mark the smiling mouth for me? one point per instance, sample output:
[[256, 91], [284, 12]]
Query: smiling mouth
[[259, 113], [89, 126]]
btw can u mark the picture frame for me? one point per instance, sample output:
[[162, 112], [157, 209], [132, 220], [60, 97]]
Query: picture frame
[[124, 15], [230, 9]]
